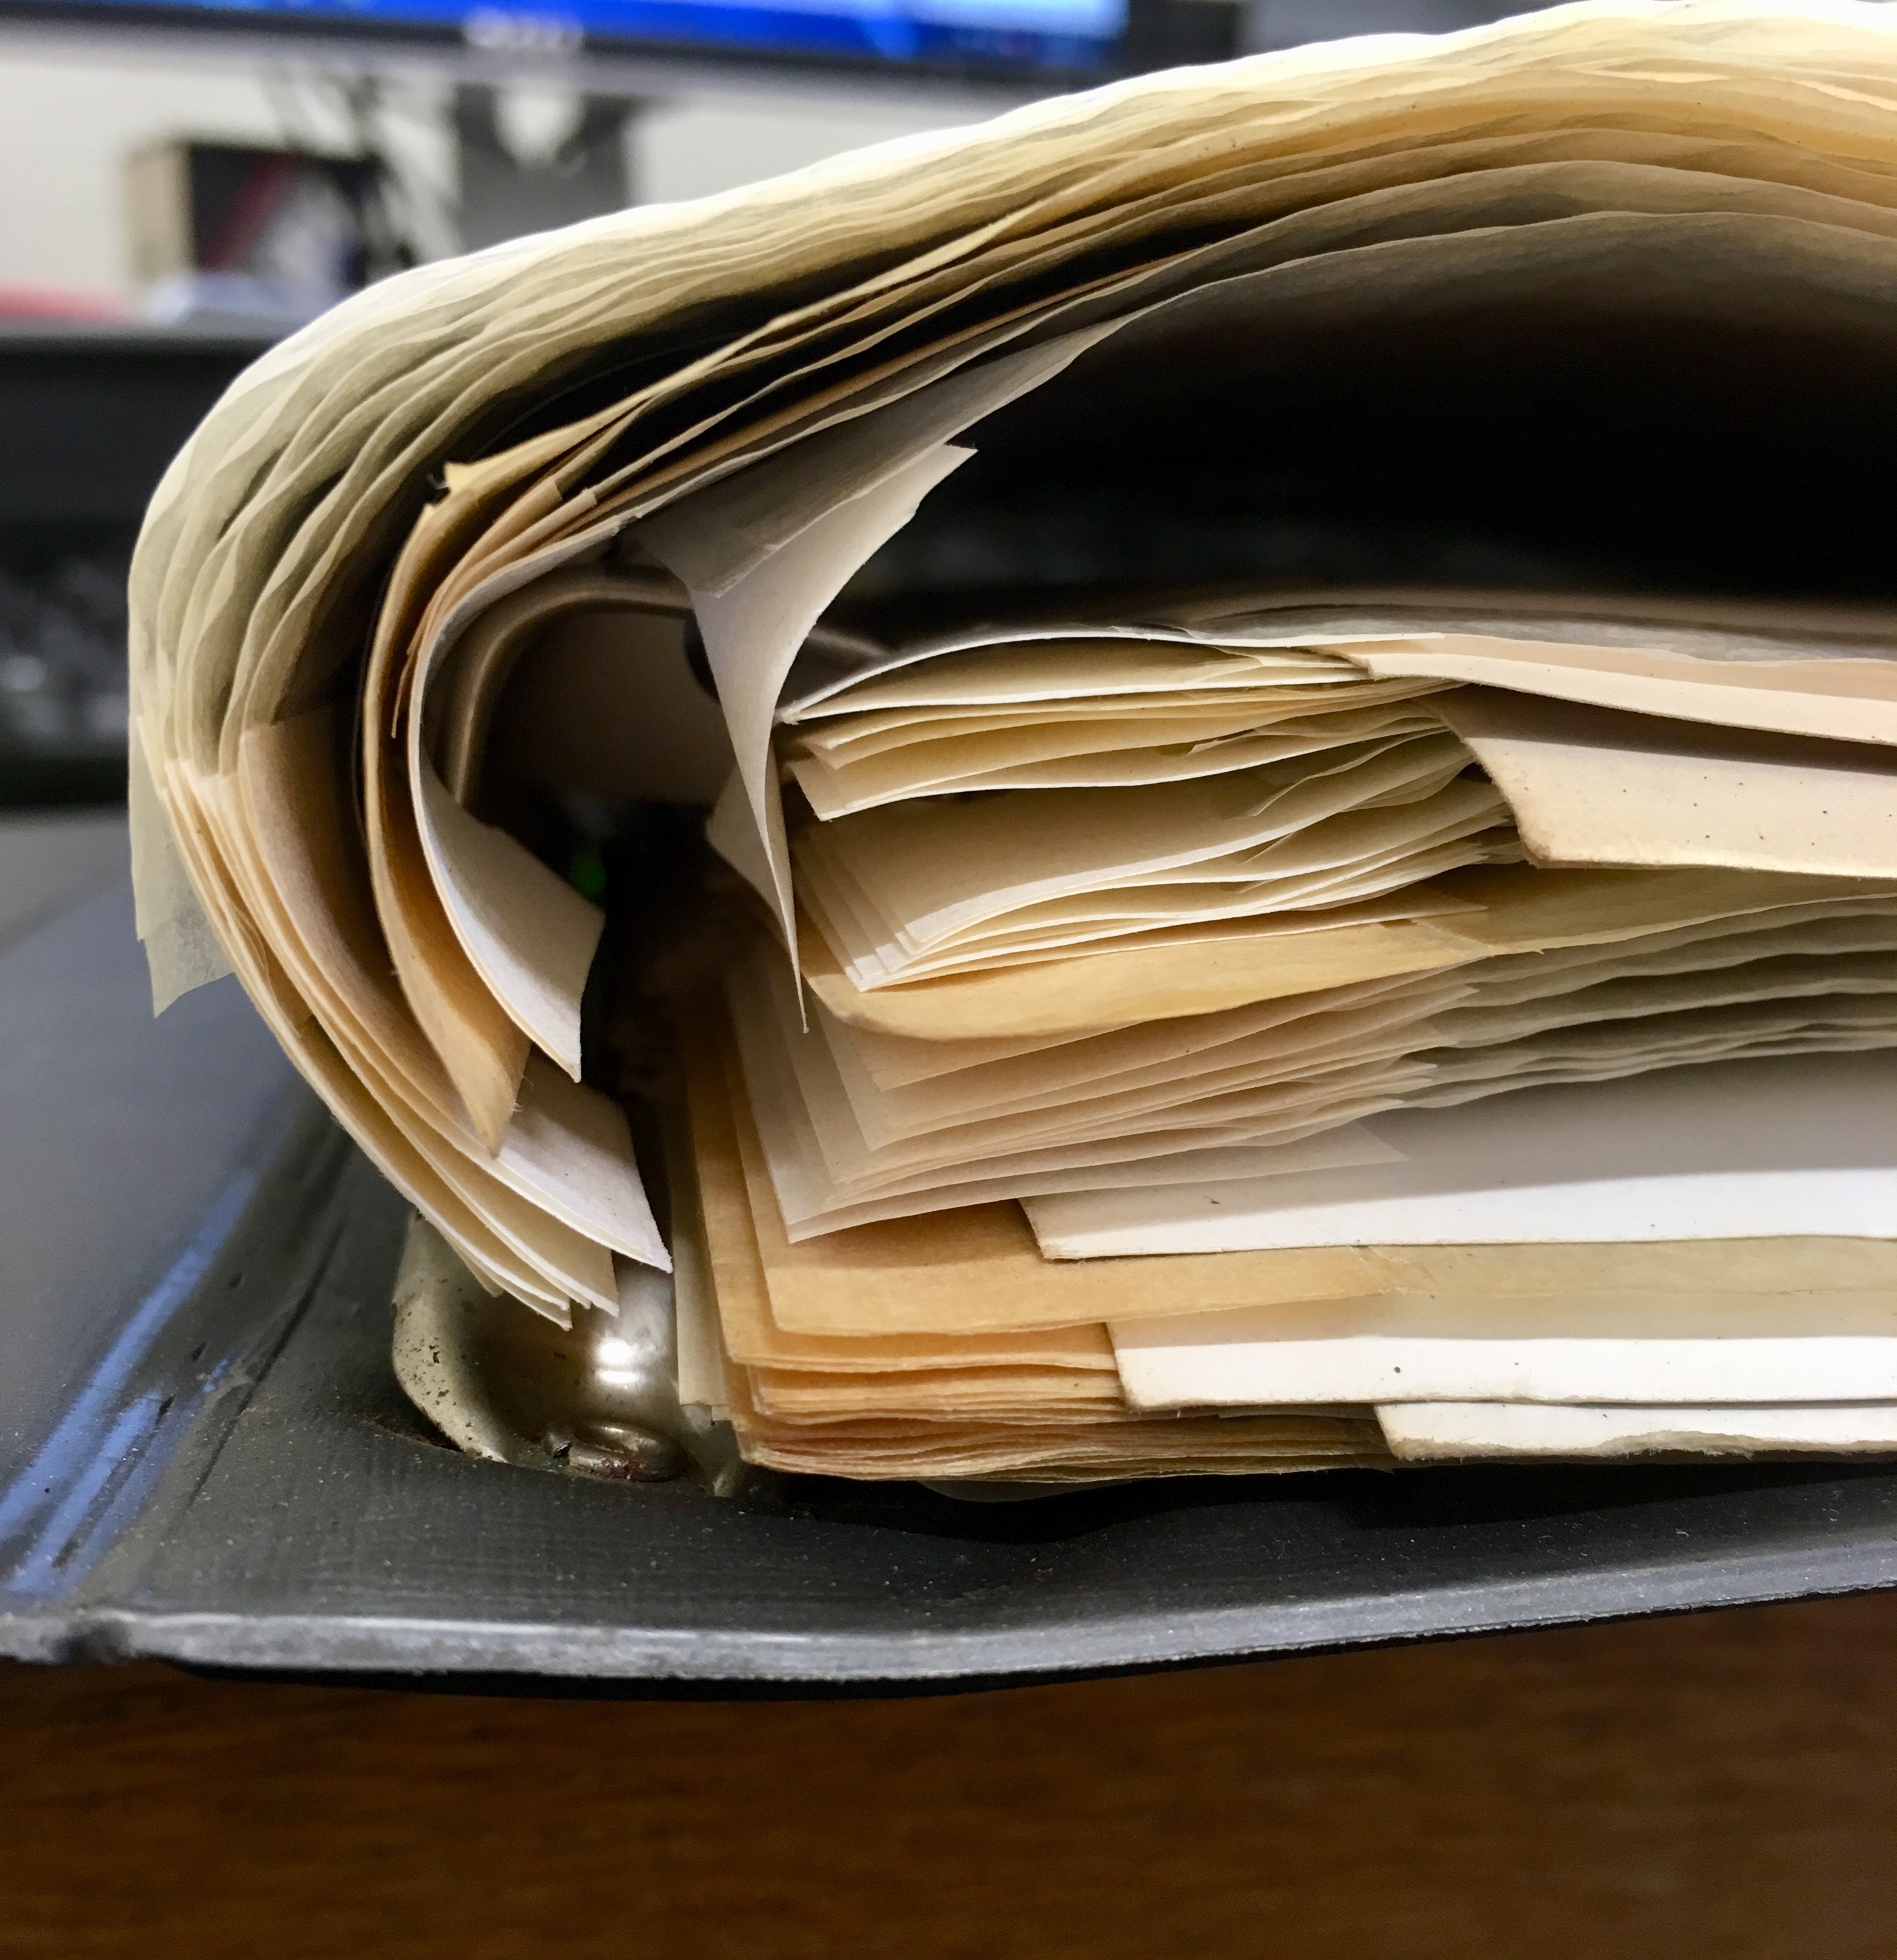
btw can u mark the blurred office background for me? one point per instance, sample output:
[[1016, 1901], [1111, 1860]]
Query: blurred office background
[[183, 183]]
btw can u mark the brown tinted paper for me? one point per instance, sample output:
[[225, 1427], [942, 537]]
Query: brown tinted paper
[[1520, 911], [806, 356]]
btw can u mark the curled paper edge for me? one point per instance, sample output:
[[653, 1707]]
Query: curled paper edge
[[182, 950]]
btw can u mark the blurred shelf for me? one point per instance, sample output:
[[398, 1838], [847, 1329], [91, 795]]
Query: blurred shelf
[[91, 415]]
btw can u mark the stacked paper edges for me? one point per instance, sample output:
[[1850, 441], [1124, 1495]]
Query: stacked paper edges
[[1236, 1023]]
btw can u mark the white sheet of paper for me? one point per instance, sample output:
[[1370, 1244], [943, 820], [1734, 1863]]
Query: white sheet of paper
[[1637, 1348], [1801, 1145], [1432, 1432]]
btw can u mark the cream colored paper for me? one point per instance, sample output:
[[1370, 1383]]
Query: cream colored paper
[[1840, 701], [1594, 787], [754, 627], [1211, 969]]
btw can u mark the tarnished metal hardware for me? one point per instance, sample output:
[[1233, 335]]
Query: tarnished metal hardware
[[600, 1399]]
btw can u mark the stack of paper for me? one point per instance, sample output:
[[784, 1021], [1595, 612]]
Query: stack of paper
[[1303, 776]]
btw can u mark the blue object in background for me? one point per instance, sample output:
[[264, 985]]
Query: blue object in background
[[1063, 38]]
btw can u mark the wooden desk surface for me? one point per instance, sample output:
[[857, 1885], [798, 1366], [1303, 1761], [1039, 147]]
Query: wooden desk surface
[[1720, 1785]]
